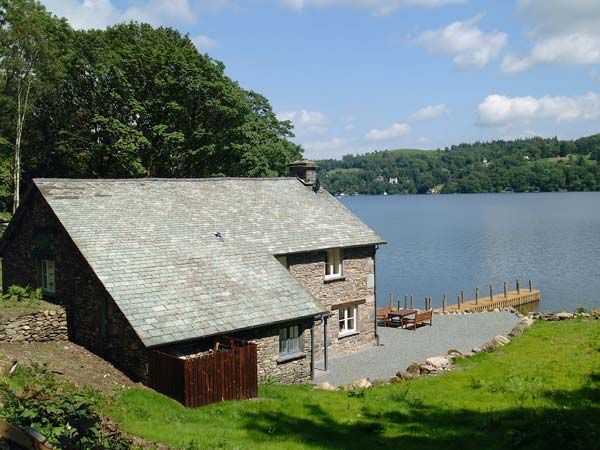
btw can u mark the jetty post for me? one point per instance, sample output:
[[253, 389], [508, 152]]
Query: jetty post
[[491, 293], [391, 300], [518, 287], [462, 296], [530, 286], [405, 301], [458, 301], [411, 301], [444, 303], [477, 296], [505, 289]]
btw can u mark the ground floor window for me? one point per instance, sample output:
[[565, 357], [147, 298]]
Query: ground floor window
[[348, 320], [48, 284], [289, 340]]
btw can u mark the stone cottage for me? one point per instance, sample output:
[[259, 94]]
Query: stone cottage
[[170, 264]]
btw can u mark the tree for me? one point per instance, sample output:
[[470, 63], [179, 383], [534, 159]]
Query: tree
[[27, 54]]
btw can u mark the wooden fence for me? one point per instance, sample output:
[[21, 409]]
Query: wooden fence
[[229, 374]]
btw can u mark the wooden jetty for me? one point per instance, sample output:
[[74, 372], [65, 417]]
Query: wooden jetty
[[490, 302]]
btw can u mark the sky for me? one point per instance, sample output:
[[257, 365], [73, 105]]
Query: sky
[[362, 75]]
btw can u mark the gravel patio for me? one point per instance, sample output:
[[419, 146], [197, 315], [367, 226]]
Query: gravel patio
[[399, 347]]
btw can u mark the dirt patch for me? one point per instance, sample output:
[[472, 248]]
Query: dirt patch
[[70, 362]]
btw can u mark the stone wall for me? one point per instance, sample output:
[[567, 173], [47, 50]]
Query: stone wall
[[358, 283], [93, 319], [39, 326]]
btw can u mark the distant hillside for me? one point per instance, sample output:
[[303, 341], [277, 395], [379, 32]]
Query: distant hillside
[[523, 165]]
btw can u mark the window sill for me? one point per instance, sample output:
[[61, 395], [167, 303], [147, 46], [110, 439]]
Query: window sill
[[293, 356], [348, 334], [332, 279]]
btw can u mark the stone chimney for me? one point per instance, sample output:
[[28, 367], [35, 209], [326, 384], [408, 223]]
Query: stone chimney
[[305, 170]]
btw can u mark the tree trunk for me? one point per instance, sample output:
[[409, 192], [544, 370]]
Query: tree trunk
[[21, 110]]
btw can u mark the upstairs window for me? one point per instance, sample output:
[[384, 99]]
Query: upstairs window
[[48, 284], [347, 320], [334, 266], [289, 340]]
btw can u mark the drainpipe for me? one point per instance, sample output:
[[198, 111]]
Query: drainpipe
[[325, 342], [312, 351], [375, 294]]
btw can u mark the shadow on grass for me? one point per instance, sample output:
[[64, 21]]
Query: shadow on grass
[[572, 423]]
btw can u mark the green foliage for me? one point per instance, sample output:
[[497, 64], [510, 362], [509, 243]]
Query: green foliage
[[524, 165], [541, 391], [22, 294], [66, 416], [132, 101]]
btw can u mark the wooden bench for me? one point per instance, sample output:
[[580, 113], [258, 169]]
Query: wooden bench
[[419, 317], [382, 315]]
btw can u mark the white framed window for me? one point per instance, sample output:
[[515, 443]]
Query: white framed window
[[348, 319], [48, 284], [283, 261], [289, 340], [334, 267]]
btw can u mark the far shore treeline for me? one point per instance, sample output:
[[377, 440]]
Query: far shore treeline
[[522, 165], [128, 101]]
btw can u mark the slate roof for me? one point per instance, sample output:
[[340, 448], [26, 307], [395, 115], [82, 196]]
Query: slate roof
[[152, 243]]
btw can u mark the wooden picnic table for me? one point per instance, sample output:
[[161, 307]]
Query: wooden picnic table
[[401, 313]]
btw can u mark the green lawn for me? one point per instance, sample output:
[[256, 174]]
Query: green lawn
[[541, 391]]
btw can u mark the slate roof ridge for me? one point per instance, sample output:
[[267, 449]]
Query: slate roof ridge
[[158, 179]]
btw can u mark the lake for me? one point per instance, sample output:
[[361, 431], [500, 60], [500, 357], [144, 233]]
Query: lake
[[444, 243]]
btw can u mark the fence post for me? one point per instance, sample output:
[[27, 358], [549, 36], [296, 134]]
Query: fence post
[[405, 301], [444, 303], [491, 293], [505, 289], [530, 286], [476, 296], [518, 286]]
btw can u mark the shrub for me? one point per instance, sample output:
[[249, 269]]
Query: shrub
[[23, 294], [66, 416]]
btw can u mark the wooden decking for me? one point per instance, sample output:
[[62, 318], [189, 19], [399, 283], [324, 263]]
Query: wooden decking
[[511, 299]]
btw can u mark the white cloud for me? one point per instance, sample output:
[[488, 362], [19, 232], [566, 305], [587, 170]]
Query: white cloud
[[429, 112], [500, 110], [86, 14], [203, 43], [470, 46], [349, 127], [564, 32], [396, 130], [380, 7], [306, 122]]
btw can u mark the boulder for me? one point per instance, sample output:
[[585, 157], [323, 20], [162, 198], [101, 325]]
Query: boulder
[[414, 369], [454, 352], [361, 383], [325, 386], [500, 340], [488, 347], [403, 376], [439, 362], [564, 315], [476, 350], [527, 321]]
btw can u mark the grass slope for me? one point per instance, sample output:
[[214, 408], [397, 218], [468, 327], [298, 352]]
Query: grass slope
[[541, 391]]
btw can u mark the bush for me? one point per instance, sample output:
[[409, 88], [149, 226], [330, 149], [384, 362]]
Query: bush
[[22, 294], [66, 416]]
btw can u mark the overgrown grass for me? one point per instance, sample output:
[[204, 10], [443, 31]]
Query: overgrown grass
[[541, 391]]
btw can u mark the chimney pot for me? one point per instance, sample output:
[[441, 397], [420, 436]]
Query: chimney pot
[[305, 170]]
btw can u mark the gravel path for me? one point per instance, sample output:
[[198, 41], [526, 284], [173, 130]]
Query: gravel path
[[402, 347]]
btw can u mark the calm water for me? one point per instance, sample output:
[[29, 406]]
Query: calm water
[[445, 243]]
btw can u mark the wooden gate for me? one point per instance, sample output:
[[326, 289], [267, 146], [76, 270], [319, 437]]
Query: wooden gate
[[229, 374]]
